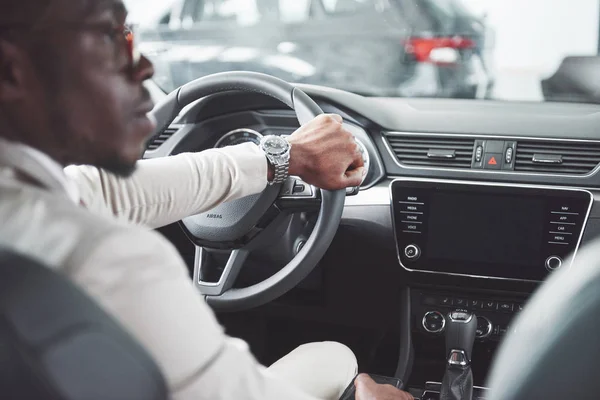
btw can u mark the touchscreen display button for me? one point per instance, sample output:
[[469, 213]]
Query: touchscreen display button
[[559, 239], [411, 227], [561, 229], [411, 208], [563, 219], [411, 217]]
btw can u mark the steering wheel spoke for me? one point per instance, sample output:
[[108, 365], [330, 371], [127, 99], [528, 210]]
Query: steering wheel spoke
[[202, 276]]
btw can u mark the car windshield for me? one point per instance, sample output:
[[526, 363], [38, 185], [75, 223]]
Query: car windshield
[[532, 50]]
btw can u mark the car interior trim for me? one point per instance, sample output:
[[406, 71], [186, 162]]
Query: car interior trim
[[167, 148], [406, 351]]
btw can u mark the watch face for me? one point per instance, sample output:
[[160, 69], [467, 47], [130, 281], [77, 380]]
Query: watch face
[[275, 145]]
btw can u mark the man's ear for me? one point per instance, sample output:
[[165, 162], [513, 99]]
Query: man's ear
[[13, 67]]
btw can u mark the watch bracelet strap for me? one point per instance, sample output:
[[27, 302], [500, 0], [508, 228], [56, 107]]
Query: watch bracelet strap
[[280, 174]]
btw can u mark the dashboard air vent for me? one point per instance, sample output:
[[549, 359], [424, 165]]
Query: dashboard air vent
[[557, 157], [432, 151], [157, 141]]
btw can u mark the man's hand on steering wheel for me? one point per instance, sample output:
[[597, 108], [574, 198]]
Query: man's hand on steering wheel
[[325, 154]]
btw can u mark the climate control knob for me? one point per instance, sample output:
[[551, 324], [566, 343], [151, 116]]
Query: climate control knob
[[484, 328], [434, 322], [553, 262]]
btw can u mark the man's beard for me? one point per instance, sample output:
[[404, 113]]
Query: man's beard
[[117, 166]]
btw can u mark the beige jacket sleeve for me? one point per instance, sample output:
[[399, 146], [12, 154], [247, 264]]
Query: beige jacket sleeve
[[144, 283], [164, 190]]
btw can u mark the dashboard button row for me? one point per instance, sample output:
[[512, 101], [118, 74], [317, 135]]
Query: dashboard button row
[[473, 304]]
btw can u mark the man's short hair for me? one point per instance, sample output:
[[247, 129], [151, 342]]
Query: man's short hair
[[22, 12]]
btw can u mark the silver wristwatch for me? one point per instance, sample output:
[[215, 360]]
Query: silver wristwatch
[[277, 150]]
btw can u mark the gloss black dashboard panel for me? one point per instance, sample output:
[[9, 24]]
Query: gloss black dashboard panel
[[488, 230]]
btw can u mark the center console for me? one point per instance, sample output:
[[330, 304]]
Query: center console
[[473, 233]]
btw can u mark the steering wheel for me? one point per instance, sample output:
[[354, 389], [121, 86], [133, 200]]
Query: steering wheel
[[551, 351], [256, 221]]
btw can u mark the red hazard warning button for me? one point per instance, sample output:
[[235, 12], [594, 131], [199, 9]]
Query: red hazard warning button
[[492, 161]]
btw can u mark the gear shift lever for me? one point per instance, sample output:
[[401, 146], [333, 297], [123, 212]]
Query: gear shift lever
[[460, 336]]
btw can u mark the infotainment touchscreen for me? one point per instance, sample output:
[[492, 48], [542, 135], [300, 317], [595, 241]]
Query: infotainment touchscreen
[[478, 229]]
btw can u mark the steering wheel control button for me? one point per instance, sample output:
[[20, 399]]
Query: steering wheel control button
[[294, 187], [484, 328], [352, 191], [553, 263], [412, 252], [434, 322], [493, 161], [299, 188]]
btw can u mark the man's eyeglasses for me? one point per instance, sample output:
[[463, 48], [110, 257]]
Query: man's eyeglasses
[[121, 36], [133, 55]]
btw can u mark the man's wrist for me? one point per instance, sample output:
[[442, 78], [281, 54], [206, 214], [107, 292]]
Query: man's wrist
[[295, 158], [270, 171]]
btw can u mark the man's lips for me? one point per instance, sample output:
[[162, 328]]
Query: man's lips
[[144, 119], [144, 108]]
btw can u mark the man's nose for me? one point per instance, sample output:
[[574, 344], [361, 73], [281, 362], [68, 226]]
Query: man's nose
[[143, 70]]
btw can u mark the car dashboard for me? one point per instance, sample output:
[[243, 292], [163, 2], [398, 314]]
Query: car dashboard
[[466, 205]]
